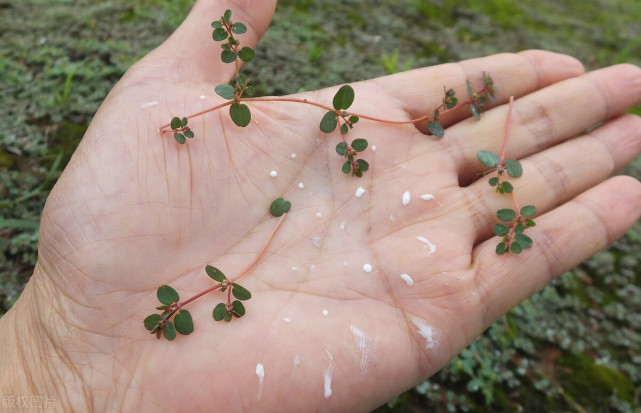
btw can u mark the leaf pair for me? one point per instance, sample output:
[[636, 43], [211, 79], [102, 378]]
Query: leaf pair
[[181, 130], [353, 165], [520, 222], [343, 99], [159, 324]]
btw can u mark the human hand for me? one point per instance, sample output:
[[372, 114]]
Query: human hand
[[134, 210]]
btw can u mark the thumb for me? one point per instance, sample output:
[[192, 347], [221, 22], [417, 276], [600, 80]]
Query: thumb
[[190, 54]]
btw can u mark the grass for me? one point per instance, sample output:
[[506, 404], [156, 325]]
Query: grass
[[56, 69]]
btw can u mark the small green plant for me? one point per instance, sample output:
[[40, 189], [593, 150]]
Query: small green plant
[[516, 220], [337, 116], [162, 325], [240, 92]]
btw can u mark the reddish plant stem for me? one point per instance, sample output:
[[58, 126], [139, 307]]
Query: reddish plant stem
[[177, 306], [164, 127], [262, 251], [440, 108], [508, 125]]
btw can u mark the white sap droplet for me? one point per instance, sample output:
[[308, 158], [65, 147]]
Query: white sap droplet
[[407, 197], [293, 156], [343, 225], [301, 185], [367, 267], [287, 319], [260, 372], [327, 376], [203, 97], [429, 245], [149, 104], [366, 345], [294, 268], [427, 197], [273, 174], [359, 192], [408, 280], [319, 215], [427, 332], [296, 364], [325, 312], [373, 148]]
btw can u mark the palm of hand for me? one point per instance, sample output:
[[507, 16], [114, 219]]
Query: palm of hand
[[134, 210]]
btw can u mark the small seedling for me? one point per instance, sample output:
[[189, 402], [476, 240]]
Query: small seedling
[[161, 324], [516, 220], [239, 94]]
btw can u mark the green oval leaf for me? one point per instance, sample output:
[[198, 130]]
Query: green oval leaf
[[240, 292], [514, 168], [175, 123], [220, 312], [362, 164], [239, 28], [516, 248], [215, 273], [240, 114], [475, 111], [169, 331], [494, 181], [184, 323], [436, 129], [341, 148], [347, 167], [343, 98], [227, 56], [151, 321], [227, 15], [506, 188], [225, 91], [488, 158], [279, 207], [359, 145], [470, 92], [219, 34], [238, 308], [528, 211], [180, 138], [189, 134], [523, 240], [501, 230], [216, 24], [167, 295], [329, 122], [250, 91], [506, 214], [501, 248], [246, 54]]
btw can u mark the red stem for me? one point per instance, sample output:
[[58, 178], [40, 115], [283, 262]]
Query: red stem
[[508, 124], [177, 306]]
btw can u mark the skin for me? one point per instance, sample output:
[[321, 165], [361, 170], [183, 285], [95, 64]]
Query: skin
[[134, 210]]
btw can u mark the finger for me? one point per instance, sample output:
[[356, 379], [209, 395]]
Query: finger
[[191, 54], [560, 173], [563, 238], [420, 91], [545, 118]]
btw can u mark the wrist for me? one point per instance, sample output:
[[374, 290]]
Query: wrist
[[33, 373]]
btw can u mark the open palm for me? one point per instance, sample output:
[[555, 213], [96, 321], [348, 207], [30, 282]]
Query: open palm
[[332, 324]]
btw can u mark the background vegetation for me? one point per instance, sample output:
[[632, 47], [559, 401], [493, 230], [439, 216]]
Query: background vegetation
[[575, 346]]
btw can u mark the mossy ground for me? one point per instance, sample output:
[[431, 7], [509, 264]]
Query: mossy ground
[[579, 337]]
